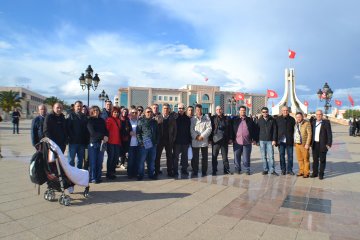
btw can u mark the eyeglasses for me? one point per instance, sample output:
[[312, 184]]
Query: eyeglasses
[[134, 113], [148, 112], [181, 108], [140, 110]]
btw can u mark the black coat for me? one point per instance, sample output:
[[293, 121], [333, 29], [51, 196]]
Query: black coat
[[267, 129], [325, 137], [55, 129], [220, 124], [183, 134], [97, 129], [285, 127], [76, 128], [250, 125], [37, 129]]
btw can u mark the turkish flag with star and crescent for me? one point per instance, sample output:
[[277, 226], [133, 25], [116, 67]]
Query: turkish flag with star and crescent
[[239, 97], [292, 54], [338, 102], [271, 94]]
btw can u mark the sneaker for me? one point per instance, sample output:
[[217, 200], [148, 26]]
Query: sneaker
[[71, 189], [248, 173], [265, 172], [214, 173], [122, 167], [283, 172]]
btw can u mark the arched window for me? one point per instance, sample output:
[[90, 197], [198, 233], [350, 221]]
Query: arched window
[[205, 97]]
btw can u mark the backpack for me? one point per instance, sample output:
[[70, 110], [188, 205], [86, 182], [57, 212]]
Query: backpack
[[37, 169]]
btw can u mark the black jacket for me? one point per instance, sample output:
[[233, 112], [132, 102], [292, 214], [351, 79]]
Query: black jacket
[[325, 137], [37, 127], [76, 128], [285, 127], [267, 129], [55, 129], [183, 134], [97, 129], [147, 128], [220, 126], [250, 125]]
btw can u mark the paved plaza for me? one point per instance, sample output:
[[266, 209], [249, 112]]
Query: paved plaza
[[221, 207]]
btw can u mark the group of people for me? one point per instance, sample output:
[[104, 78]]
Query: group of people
[[139, 135], [354, 127]]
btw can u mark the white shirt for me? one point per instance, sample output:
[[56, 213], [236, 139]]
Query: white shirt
[[317, 131], [133, 141]]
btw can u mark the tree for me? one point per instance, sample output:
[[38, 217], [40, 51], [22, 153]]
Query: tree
[[52, 100], [9, 100], [351, 113]]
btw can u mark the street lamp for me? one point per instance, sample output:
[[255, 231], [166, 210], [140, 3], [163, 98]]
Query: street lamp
[[103, 97], [88, 81], [325, 94], [232, 103]]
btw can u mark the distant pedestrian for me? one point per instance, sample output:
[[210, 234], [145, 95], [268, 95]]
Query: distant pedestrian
[[55, 126], [37, 125], [15, 120], [125, 136]]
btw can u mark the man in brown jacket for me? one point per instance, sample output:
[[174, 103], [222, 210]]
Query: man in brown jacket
[[302, 142], [167, 135]]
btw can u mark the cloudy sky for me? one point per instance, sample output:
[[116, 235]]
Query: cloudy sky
[[238, 45]]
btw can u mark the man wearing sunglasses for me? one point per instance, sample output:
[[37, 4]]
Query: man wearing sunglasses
[[267, 138]]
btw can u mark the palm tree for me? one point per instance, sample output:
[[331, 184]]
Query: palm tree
[[52, 100], [9, 100]]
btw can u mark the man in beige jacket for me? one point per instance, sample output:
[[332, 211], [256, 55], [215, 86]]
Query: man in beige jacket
[[302, 141], [200, 131]]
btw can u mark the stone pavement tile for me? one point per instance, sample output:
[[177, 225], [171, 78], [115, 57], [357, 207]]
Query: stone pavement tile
[[50, 230], [307, 235], [345, 231], [58, 213], [32, 210], [237, 213], [8, 206], [224, 221], [273, 232], [26, 235], [259, 216], [75, 221], [10, 228], [122, 234], [168, 232], [246, 230], [208, 232], [34, 221], [4, 218]]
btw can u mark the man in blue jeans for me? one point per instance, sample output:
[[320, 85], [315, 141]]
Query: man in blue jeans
[[244, 134], [147, 136], [285, 139], [267, 137], [76, 127]]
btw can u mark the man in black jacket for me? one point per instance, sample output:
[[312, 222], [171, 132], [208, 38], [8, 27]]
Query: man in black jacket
[[267, 138], [220, 138], [244, 133], [37, 125], [55, 126], [76, 125], [182, 140], [285, 140], [321, 143]]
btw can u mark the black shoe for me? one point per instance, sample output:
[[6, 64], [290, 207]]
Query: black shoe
[[153, 177], [248, 173], [140, 178], [283, 173], [227, 172], [291, 173], [313, 175], [171, 175], [265, 172], [238, 172], [274, 173], [204, 174], [184, 173], [321, 177], [214, 173]]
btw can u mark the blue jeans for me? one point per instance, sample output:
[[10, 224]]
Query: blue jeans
[[113, 151], [79, 151], [133, 156], [267, 155], [149, 156], [244, 151], [96, 158], [290, 151]]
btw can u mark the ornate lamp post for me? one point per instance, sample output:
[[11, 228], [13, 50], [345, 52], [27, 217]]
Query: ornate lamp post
[[88, 81], [232, 102], [325, 94], [103, 97]]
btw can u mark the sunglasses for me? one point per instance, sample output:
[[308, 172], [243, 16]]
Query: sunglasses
[[181, 108], [133, 112], [148, 112], [140, 110]]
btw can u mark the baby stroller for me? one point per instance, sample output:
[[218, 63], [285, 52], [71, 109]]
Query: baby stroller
[[49, 165]]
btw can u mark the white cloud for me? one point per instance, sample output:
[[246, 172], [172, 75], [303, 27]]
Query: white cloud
[[357, 77], [5, 45], [180, 51], [303, 88]]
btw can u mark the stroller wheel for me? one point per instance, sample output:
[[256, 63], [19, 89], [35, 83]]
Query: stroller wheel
[[46, 195], [61, 199], [86, 192], [67, 200], [51, 196]]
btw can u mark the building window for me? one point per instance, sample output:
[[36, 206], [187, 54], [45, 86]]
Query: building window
[[154, 98], [176, 99], [192, 99], [124, 99], [170, 98], [165, 98], [205, 97], [160, 98]]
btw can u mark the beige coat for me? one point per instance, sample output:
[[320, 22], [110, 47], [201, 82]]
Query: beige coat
[[305, 131]]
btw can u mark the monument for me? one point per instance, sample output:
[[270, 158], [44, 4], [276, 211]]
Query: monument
[[290, 99]]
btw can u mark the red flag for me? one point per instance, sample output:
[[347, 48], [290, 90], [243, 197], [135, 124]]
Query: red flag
[[306, 103], [323, 96], [338, 103], [292, 54], [206, 79], [248, 103], [351, 100], [239, 97], [271, 94]]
